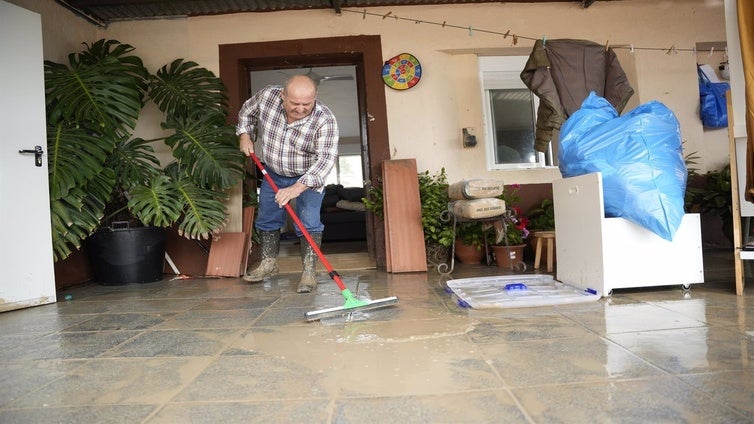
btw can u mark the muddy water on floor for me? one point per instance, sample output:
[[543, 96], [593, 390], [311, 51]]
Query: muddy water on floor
[[372, 358]]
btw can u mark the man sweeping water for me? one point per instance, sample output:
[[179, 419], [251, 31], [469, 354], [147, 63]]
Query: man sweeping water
[[299, 143]]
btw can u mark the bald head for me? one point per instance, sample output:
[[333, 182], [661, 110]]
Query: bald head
[[300, 84], [299, 95]]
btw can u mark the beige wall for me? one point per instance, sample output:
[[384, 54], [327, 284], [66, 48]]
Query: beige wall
[[425, 122], [62, 31]]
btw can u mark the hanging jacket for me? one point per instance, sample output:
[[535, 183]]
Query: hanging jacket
[[562, 73]]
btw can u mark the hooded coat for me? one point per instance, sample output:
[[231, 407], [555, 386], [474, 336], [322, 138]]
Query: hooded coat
[[562, 73]]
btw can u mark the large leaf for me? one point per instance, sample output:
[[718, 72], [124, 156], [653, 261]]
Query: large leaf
[[75, 156], [173, 196], [75, 216], [204, 212], [102, 49], [183, 86], [207, 149], [90, 98], [134, 162], [158, 204], [104, 96]]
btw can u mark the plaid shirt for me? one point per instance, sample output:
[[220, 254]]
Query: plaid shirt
[[307, 147]]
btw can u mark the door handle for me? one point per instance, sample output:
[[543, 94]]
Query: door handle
[[37, 154]]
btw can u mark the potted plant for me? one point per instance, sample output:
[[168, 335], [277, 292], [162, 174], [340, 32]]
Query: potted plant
[[711, 197], [470, 242], [542, 229], [99, 174], [542, 218], [512, 231], [438, 231]]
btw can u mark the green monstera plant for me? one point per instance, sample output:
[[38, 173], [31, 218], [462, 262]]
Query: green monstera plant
[[99, 173]]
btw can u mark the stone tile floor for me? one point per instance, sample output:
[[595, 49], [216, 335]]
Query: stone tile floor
[[219, 350]]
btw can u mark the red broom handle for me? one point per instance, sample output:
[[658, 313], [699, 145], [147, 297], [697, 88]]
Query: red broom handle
[[333, 274]]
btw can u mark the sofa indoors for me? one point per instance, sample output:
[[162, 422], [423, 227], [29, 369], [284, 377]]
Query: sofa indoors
[[343, 213]]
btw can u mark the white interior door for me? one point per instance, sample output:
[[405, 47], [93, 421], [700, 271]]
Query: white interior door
[[26, 263]]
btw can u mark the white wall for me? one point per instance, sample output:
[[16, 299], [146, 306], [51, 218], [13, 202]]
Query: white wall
[[62, 31]]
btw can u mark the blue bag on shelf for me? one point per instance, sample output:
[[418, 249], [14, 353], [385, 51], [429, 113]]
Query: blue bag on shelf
[[713, 106], [639, 155]]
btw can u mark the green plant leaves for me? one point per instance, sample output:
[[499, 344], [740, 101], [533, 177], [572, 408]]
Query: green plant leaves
[[156, 204], [96, 167], [206, 148], [103, 98], [134, 162], [433, 191], [75, 156], [542, 217], [203, 213], [182, 86], [433, 194]]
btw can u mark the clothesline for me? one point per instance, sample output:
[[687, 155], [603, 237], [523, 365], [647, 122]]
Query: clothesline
[[515, 37]]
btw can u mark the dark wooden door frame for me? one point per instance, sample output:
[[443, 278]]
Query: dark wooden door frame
[[363, 51]]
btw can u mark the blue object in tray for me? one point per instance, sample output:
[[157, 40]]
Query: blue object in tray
[[515, 286]]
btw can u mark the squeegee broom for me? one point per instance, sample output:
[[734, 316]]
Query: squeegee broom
[[352, 302]]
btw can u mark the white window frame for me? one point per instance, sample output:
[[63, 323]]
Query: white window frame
[[503, 72]]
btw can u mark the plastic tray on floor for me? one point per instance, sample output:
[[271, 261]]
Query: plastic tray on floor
[[517, 291]]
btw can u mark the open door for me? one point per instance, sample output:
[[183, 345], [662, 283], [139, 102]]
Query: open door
[[26, 249]]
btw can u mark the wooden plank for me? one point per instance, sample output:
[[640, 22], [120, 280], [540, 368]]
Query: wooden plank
[[735, 205], [226, 255], [189, 256], [404, 234]]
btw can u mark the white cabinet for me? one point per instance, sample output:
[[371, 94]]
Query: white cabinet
[[594, 252]]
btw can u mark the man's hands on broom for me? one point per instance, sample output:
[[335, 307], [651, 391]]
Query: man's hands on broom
[[245, 144], [285, 195]]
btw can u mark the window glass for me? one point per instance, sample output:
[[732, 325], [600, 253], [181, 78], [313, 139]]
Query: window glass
[[347, 172], [513, 125], [509, 114]]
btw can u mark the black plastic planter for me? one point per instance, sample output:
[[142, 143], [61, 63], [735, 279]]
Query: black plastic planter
[[127, 255]]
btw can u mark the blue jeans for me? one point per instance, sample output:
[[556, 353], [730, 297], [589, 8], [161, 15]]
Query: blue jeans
[[271, 217]]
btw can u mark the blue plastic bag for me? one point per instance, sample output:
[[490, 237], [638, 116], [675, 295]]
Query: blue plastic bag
[[713, 106], [639, 155]]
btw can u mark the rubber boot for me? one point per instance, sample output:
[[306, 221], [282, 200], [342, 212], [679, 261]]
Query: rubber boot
[[309, 260], [270, 243]]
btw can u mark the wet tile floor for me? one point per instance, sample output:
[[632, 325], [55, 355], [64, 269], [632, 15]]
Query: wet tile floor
[[223, 351]]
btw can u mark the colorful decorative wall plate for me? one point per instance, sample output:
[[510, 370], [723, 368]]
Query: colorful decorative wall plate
[[402, 72]]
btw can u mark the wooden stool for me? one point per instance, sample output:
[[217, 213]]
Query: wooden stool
[[550, 237]]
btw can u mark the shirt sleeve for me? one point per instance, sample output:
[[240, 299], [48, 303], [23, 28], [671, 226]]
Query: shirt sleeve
[[327, 154], [248, 114]]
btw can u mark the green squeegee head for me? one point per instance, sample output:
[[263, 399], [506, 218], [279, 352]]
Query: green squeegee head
[[352, 304]]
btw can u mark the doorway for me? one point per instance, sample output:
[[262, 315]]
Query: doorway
[[336, 89], [363, 54]]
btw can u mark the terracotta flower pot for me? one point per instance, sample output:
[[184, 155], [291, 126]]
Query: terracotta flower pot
[[508, 256], [467, 253]]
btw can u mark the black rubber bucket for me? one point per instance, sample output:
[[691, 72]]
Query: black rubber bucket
[[123, 255]]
